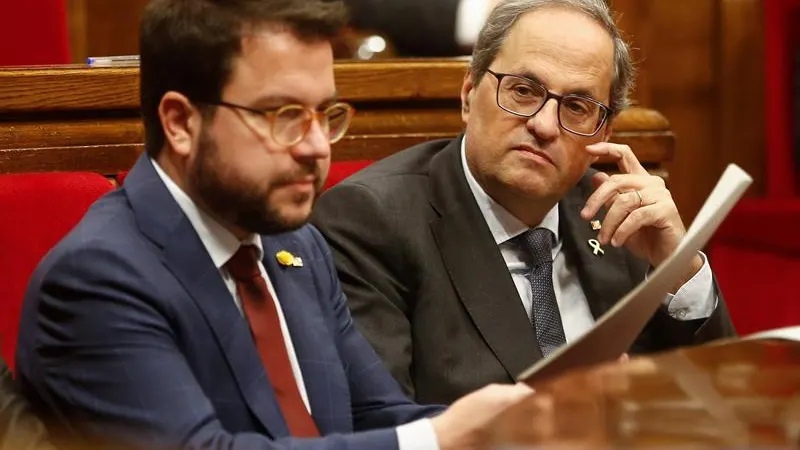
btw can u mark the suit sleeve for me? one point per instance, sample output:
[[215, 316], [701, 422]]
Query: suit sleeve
[[666, 332], [20, 429], [108, 353], [415, 27], [370, 263]]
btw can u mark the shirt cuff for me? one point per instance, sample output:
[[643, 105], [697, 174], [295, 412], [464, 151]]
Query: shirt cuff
[[418, 435], [470, 17], [696, 299]]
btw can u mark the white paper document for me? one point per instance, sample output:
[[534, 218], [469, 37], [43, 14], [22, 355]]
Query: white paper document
[[617, 329], [787, 334]]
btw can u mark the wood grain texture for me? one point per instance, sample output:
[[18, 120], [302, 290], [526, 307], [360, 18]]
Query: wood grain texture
[[700, 63], [741, 104], [723, 395], [78, 118]]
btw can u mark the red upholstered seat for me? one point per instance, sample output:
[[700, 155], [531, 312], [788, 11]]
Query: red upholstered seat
[[343, 169], [756, 260], [38, 210], [120, 178]]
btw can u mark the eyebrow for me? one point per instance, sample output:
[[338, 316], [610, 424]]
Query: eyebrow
[[531, 76]]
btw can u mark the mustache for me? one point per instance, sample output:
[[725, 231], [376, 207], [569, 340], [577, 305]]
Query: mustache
[[301, 173]]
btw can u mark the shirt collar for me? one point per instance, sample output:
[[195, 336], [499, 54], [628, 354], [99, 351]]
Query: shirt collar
[[220, 243], [503, 225]]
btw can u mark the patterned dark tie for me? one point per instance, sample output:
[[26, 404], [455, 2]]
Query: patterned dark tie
[[262, 315], [538, 243]]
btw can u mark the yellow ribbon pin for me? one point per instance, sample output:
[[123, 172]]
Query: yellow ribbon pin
[[286, 259]]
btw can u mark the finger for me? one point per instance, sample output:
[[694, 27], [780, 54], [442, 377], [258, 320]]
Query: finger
[[623, 358], [524, 387], [606, 193], [647, 216], [622, 205], [599, 178], [621, 154], [512, 395], [503, 395]]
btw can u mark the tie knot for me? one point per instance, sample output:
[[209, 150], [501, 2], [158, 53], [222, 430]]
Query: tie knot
[[538, 243], [243, 265]]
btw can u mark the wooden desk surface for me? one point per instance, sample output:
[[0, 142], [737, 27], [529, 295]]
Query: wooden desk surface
[[80, 118], [743, 394]]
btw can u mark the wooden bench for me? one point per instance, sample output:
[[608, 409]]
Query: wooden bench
[[76, 118]]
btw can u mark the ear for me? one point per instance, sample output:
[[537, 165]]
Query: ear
[[467, 91], [181, 122]]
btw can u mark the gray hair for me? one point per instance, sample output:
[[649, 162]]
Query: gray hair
[[507, 12]]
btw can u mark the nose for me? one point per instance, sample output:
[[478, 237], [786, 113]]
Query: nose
[[315, 144], [544, 124]]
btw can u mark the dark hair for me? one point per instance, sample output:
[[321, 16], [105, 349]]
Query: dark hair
[[188, 46]]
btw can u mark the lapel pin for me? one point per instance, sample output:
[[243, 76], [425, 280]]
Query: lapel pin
[[596, 247], [287, 259], [596, 225]]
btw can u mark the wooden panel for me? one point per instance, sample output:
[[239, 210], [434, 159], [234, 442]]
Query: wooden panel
[[77, 118], [701, 64], [633, 18], [104, 27], [68, 89], [725, 395], [103, 159], [79, 88], [741, 107], [683, 79], [634, 128], [76, 23], [110, 158]]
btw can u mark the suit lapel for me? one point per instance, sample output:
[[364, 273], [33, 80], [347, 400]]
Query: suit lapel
[[604, 277], [162, 220], [476, 267]]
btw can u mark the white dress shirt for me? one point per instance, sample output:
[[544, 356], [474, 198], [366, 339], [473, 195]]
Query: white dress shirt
[[221, 245], [694, 300]]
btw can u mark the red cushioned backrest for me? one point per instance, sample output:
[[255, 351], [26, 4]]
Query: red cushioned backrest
[[33, 32], [758, 286], [343, 169], [38, 210]]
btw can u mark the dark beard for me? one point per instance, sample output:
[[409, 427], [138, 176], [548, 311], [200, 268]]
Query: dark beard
[[243, 206]]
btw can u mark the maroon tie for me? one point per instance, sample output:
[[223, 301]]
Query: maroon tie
[[264, 323]]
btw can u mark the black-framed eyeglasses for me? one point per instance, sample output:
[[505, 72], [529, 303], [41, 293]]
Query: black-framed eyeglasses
[[524, 97], [289, 124]]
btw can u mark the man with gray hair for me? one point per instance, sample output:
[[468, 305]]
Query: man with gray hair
[[467, 260]]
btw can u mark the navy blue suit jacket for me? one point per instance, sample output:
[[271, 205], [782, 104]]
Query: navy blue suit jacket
[[129, 333]]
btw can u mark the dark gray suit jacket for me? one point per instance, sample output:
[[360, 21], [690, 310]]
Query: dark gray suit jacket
[[428, 287], [415, 27]]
